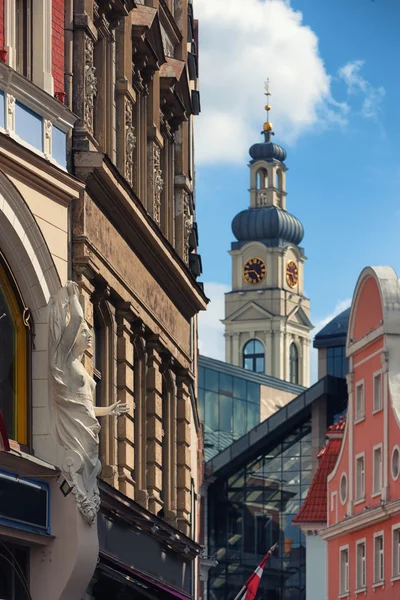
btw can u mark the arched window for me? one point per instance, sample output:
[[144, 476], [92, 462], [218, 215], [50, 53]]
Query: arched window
[[14, 331], [294, 363], [278, 180], [253, 356], [262, 179]]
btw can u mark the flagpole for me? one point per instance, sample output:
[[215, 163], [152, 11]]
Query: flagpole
[[243, 589]]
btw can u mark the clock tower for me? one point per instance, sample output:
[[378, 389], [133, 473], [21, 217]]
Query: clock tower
[[267, 325]]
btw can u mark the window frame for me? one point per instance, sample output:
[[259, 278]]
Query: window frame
[[375, 491], [358, 415], [381, 565], [254, 356], [343, 477], [359, 498], [23, 329], [361, 584], [344, 577], [374, 378], [395, 448], [396, 552]]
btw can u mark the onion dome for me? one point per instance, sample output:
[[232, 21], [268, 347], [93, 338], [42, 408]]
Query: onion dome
[[267, 151], [266, 224]]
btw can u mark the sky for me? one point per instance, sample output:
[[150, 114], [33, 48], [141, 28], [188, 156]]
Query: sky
[[334, 76]]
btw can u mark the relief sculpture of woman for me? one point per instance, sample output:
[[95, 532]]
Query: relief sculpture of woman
[[74, 414]]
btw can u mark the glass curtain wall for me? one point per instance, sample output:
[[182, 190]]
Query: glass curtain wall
[[336, 362], [253, 508], [229, 407]]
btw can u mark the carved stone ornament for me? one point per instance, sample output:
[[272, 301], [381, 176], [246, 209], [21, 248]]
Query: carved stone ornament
[[130, 140], [158, 183], [74, 416], [90, 83], [187, 227]]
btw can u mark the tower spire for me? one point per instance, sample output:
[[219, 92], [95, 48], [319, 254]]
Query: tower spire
[[267, 128]]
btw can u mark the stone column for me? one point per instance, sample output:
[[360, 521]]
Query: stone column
[[236, 358], [154, 427], [125, 386], [268, 353], [184, 461], [140, 422]]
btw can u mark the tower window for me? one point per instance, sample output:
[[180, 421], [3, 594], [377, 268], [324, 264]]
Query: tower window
[[253, 356], [262, 179], [294, 364]]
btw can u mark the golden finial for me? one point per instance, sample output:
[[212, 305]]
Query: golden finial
[[267, 124]]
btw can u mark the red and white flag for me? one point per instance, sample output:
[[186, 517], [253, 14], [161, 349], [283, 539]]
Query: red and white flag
[[249, 590], [4, 444]]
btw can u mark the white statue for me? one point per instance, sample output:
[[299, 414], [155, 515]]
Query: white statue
[[74, 414]]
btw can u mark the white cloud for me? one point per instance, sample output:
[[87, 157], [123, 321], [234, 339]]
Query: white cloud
[[211, 330], [318, 325], [372, 97], [241, 44]]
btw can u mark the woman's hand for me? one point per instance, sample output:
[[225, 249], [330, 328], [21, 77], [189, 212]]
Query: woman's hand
[[118, 409]]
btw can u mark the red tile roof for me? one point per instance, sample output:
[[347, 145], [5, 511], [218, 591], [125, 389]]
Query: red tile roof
[[314, 509]]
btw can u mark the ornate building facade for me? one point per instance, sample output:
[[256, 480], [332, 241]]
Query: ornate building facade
[[134, 239], [267, 324], [37, 545]]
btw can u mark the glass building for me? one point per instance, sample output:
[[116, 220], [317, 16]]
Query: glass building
[[331, 345], [230, 401], [257, 486]]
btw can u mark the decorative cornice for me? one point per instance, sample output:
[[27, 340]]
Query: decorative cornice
[[113, 194], [364, 519]]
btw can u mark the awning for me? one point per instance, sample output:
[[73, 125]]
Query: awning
[[135, 578]]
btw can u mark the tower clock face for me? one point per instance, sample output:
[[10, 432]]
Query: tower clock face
[[255, 270], [292, 274]]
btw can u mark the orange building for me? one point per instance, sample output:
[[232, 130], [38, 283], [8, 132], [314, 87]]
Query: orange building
[[363, 495]]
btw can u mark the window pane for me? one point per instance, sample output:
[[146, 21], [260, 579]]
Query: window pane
[[211, 380], [253, 415], [260, 365], [249, 348], [239, 418], [239, 388], [258, 347], [253, 392], [225, 413], [248, 364], [201, 404], [7, 365], [226, 384], [211, 410]]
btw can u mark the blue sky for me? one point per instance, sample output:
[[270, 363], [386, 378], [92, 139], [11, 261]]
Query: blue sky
[[335, 83]]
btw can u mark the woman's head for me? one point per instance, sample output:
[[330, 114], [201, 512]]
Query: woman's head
[[83, 339]]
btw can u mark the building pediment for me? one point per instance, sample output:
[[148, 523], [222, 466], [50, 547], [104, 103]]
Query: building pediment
[[299, 317], [249, 312]]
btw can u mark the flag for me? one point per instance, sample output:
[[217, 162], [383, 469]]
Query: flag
[[4, 444], [251, 586]]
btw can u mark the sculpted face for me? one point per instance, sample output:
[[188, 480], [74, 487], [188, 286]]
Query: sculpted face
[[83, 340]]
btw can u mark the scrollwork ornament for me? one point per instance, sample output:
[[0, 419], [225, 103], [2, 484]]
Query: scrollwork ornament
[[187, 227], [158, 184], [130, 140], [90, 83]]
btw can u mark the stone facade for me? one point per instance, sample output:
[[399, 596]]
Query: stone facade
[[134, 247]]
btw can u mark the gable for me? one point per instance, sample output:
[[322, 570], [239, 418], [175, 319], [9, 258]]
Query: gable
[[250, 312], [368, 310], [299, 317]]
